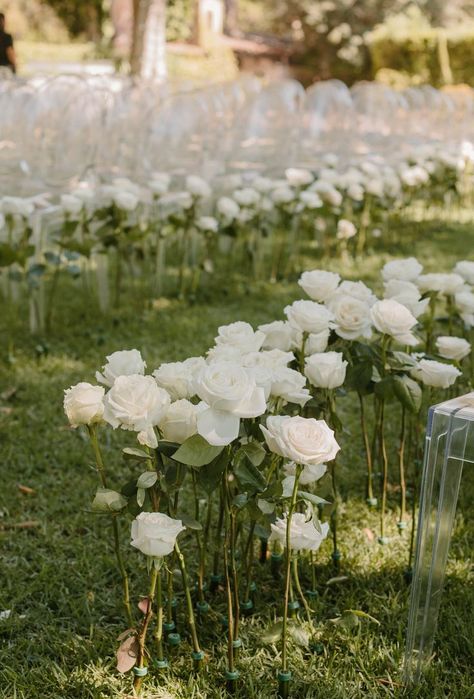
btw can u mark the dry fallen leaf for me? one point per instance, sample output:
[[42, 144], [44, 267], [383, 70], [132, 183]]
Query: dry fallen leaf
[[143, 605], [369, 533], [25, 489], [127, 654], [8, 393]]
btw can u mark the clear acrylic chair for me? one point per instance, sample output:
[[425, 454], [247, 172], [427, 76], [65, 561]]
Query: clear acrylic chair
[[449, 445]]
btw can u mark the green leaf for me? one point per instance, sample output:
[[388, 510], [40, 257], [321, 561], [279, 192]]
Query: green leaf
[[147, 479], [106, 500], [141, 494], [167, 448], [240, 500], [247, 474], [363, 615], [408, 393], [210, 475], [359, 376], [195, 451], [384, 388], [273, 633], [254, 451], [190, 523], [314, 499], [136, 454]]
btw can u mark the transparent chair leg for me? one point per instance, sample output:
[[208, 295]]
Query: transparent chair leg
[[449, 445]]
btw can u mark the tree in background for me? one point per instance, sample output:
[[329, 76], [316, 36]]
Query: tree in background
[[148, 58]]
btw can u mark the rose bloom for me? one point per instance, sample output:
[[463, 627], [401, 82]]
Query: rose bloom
[[303, 440], [358, 290], [280, 335], [121, 363], [345, 229], [155, 534], [391, 318], [197, 186], [465, 269], [303, 534], [308, 316], [289, 385], [178, 377], [180, 421], [17, 206], [273, 359], [310, 200], [297, 177], [326, 369], [407, 294], [319, 284], [453, 347], [407, 270], [207, 224], [71, 204], [135, 403], [240, 335], [316, 342], [447, 284], [84, 404], [228, 208], [351, 316], [125, 200], [464, 302], [230, 394], [435, 374], [247, 196], [310, 473]]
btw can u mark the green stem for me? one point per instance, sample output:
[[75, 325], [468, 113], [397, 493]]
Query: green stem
[[159, 619], [115, 528], [299, 589], [294, 495], [368, 452], [401, 462], [144, 628], [189, 602]]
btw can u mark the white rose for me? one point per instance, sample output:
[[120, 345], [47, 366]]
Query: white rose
[[298, 177], [358, 290], [273, 359], [407, 270], [207, 224], [303, 440], [319, 284], [310, 473], [224, 353], [135, 403], [240, 335], [326, 369], [231, 393], [262, 184], [228, 208], [160, 182], [464, 302], [308, 316], [465, 269], [316, 342], [453, 347], [197, 186], [180, 421], [178, 377], [303, 534], [290, 385], [394, 319], [155, 534], [121, 363], [351, 316], [327, 192], [355, 191], [84, 404], [247, 196], [407, 294], [448, 284], [17, 206], [310, 200], [345, 229], [374, 187], [282, 195], [280, 335], [71, 204], [125, 200], [178, 201], [435, 374]]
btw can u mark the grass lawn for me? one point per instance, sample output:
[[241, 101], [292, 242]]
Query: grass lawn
[[59, 578]]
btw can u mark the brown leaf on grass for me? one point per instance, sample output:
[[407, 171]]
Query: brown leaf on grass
[[5, 410], [369, 533], [30, 524], [8, 393], [125, 633], [143, 605], [25, 489], [127, 654]]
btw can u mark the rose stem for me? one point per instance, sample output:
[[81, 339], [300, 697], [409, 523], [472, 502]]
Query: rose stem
[[159, 619], [335, 494], [368, 452], [299, 589], [137, 682], [189, 605], [383, 448], [401, 461], [101, 470], [248, 557], [218, 535], [294, 495], [198, 541]]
